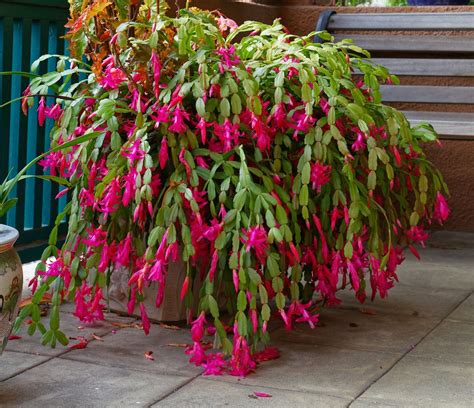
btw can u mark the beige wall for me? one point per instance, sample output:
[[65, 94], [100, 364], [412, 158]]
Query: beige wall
[[455, 159]]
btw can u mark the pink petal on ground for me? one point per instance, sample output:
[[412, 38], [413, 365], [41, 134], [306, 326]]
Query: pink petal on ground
[[262, 394]]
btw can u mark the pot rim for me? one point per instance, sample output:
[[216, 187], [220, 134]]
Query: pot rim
[[8, 237]]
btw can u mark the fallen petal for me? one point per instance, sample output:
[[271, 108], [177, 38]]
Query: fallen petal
[[149, 355], [262, 394]]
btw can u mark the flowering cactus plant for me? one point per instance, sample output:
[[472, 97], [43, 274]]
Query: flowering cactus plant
[[266, 162]]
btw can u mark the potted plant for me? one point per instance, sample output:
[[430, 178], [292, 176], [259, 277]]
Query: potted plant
[[258, 159]]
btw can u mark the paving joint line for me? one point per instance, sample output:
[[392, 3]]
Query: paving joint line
[[174, 390], [270, 387], [409, 350], [48, 359]]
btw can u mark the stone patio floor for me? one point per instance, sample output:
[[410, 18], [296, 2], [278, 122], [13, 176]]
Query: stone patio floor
[[414, 349]]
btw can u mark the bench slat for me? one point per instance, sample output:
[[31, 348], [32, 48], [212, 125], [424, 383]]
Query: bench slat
[[407, 43], [428, 67], [427, 94], [402, 21], [449, 125]]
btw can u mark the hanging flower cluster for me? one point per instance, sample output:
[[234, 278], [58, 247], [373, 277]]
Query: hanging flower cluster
[[264, 161]]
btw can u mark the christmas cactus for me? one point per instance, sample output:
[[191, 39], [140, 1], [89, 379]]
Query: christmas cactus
[[265, 162]]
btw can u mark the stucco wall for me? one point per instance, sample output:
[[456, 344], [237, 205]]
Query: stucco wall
[[455, 158]]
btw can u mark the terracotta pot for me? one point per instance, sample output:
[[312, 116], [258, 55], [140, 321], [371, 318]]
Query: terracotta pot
[[11, 282]]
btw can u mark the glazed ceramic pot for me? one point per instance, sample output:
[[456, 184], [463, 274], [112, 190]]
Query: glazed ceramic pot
[[11, 282]]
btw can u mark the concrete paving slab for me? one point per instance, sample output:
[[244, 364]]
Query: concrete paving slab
[[63, 383], [371, 403], [352, 329], [435, 275], [450, 342], [205, 393], [409, 300], [455, 257], [424, 382], [451, 240], [465, 311], [126, 348], [71, 326], [318, 369], [12, 363]]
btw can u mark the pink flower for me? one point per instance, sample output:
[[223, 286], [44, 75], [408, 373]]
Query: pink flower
[[241, 363], [178, 125], [41, 112], [256, 238], [113, 77], [214, 364], [225, 24], [145, 320], [320, 175], [197, 327], [160, 115], [88, 306], [124, 251], [417, 234], [111, 198], [202, 126], [130, 185], [163, 156], [53, 112], [359, 144], [214, 260], [184, 288], [235, 279], [156, 67], [134, 152], [267, 354], [228, 57], [198, 355], [441, 208]]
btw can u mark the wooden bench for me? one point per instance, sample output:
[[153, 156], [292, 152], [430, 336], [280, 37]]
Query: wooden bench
[[441, 53]]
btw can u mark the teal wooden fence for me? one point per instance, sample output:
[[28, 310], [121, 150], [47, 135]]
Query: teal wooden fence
[[28, 29]]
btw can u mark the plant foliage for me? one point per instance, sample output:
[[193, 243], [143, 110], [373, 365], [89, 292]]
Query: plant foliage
[[266, 162]]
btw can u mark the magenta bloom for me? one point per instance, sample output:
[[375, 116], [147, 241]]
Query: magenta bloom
[[178, 125], [359, 144], [134, 152], [320, 175], [156, 67], [113, 76], [53, 112], [256, 238], [41, 111], [163, 155], [124, 251], [214, 365], [441, 209]]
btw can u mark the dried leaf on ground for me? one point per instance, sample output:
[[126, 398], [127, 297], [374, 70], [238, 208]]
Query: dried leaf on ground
[[183, 345], [169, 326], [368, 311]]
